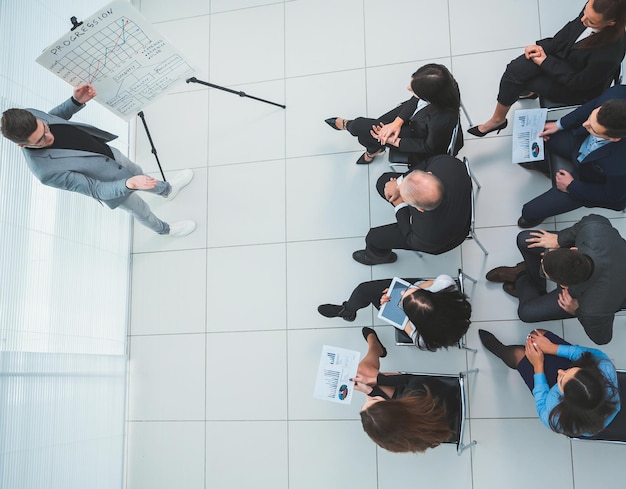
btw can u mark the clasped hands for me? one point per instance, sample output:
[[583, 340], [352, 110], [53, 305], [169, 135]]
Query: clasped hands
[[387, 133], [392, 192], [535, 53], [536, 346]]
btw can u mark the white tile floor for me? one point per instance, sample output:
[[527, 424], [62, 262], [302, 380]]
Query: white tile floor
[[225, 337]]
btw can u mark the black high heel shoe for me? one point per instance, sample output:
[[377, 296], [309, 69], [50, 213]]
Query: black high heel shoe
[[368, 331], [474, 131], [331, 122]]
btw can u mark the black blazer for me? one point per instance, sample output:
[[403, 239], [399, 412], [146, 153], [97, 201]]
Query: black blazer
[[426, 133], [447, 226], [584, 70], [600, 297]]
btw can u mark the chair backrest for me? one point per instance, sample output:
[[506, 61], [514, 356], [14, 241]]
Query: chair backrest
[[614, 79], [616, 431], [456, 404]]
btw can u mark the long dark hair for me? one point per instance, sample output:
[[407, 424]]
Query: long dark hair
[[413, 423], [435, 84], [441, 318], [587, 402], [610, 10]]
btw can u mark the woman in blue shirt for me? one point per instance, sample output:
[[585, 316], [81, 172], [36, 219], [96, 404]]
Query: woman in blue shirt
[[575, 388]]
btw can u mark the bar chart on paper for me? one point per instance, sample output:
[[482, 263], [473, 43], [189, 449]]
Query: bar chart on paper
[[126, 60]]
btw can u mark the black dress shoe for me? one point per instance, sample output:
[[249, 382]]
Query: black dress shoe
[[474, 131], [363, 161], [331, 122], [524, 224], [368, 331], [505, 274], [336, 311], [509, 288], [366, 259]]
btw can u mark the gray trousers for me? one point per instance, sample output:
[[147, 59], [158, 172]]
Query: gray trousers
[[135, 205]]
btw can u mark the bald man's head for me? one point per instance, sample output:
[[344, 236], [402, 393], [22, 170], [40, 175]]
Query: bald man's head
[[422, 190]]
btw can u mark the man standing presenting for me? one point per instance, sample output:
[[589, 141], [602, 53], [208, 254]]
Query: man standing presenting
[[75, 157]]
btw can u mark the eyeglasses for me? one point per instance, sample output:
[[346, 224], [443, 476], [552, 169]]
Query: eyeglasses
[[542, 271]]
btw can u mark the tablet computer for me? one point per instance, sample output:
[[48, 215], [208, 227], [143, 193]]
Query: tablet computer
[[390, 312]]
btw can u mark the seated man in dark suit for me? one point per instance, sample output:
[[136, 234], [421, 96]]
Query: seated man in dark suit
[[433, 211], [591, 142], [588, 262]]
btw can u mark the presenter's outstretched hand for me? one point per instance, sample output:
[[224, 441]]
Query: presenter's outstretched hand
[[84, 93], [141, 182]]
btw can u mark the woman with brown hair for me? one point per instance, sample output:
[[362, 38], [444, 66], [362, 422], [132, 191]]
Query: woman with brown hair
[[403, 413]]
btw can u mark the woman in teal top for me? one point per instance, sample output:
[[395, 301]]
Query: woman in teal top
[[575, 388]]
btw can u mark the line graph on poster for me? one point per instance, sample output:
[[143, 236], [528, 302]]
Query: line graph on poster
[[127, 61]]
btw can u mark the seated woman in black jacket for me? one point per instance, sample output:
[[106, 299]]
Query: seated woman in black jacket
[[403, 413], [572, 67], [422, 126]]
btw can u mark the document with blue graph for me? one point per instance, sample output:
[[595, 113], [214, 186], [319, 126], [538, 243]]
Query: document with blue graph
[[527, 145], [128, 62], [337, 366]]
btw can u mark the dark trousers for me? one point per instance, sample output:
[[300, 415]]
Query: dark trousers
[[522, 75], [554, 202], [535, 304], [551, 364], [382, 239], [361, 127], [367, 293]]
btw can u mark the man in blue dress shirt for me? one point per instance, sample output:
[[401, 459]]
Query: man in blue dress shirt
[[588, 159]]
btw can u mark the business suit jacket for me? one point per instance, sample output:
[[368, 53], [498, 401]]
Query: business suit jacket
[[426, 133], [91, 174], [600, 297], [602, 174], [447, 226], [584, 71]]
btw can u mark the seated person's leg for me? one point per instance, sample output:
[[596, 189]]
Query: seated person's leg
[[532, 259], [550, 203], [361, 127], [367, 293], [382, 239], [515, 79], [534, 307]]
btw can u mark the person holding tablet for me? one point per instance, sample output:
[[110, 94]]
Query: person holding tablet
[[439, 314]]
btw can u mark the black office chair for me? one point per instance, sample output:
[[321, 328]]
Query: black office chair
[[456, 397], [399, 163], [403, 339], [616, 431]]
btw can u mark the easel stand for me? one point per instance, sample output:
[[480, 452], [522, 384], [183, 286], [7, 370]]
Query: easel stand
[[241, 94], [153, 150]]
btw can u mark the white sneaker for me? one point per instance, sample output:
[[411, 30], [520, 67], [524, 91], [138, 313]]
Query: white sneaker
[[181, 228], [179, 182]]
